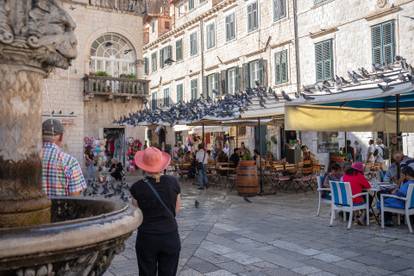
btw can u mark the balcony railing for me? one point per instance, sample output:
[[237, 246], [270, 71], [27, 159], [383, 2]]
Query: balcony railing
[[133, 6], [114, 87]]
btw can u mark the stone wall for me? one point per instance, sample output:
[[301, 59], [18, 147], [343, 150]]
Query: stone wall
[[348, 23], [65, 88], [246, 47]]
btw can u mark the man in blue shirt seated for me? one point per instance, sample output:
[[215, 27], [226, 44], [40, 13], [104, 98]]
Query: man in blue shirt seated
[[392, 174], [407, 173]]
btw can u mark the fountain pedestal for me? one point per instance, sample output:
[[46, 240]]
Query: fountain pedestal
[[38, 237]]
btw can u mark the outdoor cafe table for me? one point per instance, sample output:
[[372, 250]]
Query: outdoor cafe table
[[377, 187]]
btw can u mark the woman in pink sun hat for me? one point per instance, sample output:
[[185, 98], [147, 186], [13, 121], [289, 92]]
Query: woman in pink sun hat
[[158, 196], [355, 176]]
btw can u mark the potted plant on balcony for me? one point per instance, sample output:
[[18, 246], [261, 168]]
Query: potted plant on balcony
[[102, 74]]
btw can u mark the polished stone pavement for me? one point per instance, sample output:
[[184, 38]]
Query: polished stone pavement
[[276, 235]]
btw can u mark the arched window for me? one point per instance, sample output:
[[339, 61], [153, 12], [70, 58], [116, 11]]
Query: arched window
[[113, 54]]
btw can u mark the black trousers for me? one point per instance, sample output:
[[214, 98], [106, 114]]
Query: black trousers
[[158, 253]]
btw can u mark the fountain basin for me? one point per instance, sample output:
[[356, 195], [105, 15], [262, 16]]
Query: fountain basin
[[84, 236]]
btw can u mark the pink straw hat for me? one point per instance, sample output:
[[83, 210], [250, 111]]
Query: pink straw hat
[[359, 166], [152, 160]]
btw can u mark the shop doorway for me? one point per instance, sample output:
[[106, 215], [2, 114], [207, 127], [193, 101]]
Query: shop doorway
[[286, 138], [162, 137], [260, 145], [115, 143]]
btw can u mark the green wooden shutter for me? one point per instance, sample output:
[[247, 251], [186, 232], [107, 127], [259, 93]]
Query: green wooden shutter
[[278, 68], [179, 50], [279, 9], [162, 58], [388, 42], [238, 81], [319, 61], [281, 67], [217, 85], [284, 63], [324, 60], [263, 72], [376, 38], [245, 76], [146, 66], [179, 93], [223, 82], [327, 63]]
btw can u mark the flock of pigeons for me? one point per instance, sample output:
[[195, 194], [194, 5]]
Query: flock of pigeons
[[381, 76], [109, 189], [231, 106]]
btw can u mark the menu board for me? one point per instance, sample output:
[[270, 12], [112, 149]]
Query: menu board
[[328, 142]]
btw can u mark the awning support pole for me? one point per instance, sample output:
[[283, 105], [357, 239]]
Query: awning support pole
[[260, 156], [346, 147], [397, 113]]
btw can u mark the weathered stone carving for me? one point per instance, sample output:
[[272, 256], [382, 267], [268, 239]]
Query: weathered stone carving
[[381, 3], [35, 37], [41, 31]]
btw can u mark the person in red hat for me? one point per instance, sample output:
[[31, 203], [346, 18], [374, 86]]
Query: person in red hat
[[355, 176], [158, 196]]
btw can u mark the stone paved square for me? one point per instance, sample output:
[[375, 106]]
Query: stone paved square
[[276, 235]]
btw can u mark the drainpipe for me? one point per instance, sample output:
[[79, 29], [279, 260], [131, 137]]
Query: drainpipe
[[295, 26], [202, 56], [297, 61]]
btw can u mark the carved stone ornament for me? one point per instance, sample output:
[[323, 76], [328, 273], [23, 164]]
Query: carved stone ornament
[[38, 33], [381, 3]]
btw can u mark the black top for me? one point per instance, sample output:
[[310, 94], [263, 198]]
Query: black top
[[157, 220], [235, 158]]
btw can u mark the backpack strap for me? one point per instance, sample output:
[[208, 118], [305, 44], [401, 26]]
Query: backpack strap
[[157, 195]]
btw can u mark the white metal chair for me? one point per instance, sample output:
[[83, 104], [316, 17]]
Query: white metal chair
[[342, 200], [407, 211], [321, 190]]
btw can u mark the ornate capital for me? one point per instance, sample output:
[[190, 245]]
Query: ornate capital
[[38, 33]]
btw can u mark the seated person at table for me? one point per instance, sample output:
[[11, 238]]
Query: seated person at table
[[221, 156], [407, 177], [210, 158], [269, 156], [235, 158], [335, 174], [244, 152], [308, 160], [391, 174], [355, 176], [116, 170]]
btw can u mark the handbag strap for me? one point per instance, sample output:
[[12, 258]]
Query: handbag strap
[[157, 195]]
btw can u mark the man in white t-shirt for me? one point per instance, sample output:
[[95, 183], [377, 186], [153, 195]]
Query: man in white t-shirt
[[202, 161], [371, 150], [379, 152]]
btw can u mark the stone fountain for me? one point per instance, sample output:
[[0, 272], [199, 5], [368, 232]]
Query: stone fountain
[[38, 236]]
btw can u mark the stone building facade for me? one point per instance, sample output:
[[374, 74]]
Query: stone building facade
[[106, 81], [220, 47], [223, 46], [353, 28]]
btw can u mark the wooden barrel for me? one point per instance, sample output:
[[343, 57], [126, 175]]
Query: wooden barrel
[[246, 178]]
